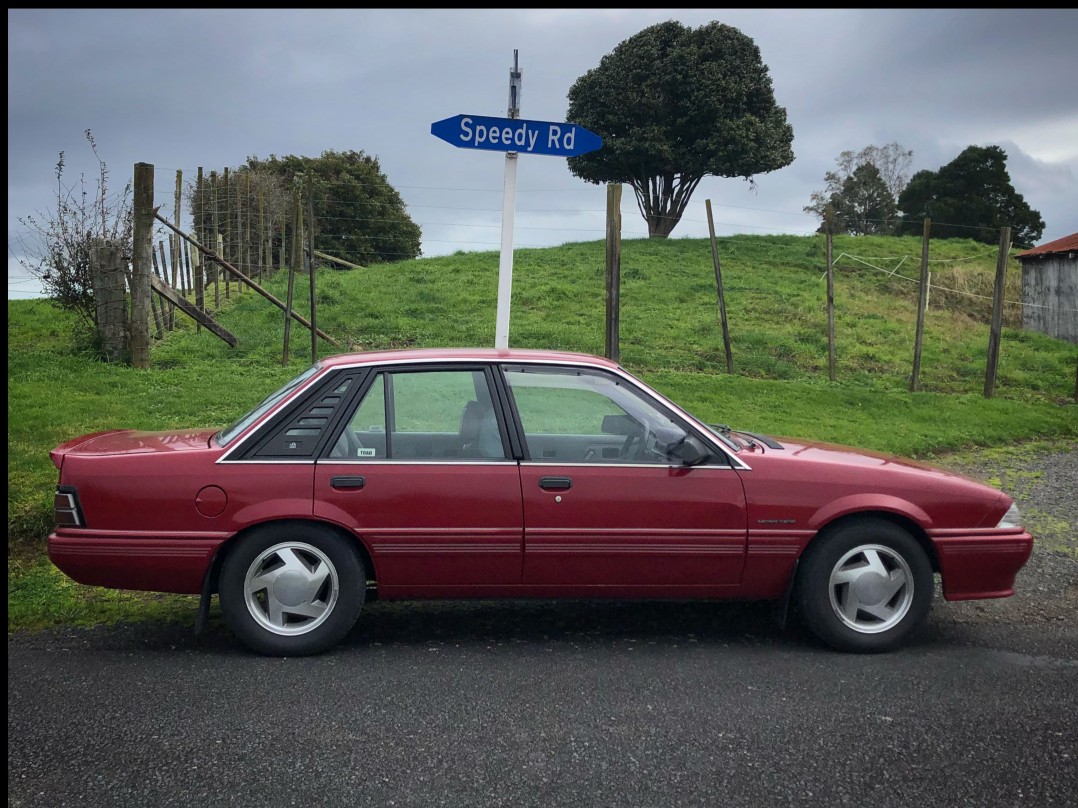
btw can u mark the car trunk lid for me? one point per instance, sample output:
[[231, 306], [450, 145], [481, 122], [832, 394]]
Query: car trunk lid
[[130, 441]]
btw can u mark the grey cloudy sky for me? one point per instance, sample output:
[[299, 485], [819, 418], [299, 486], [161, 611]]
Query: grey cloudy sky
[[201, 87]]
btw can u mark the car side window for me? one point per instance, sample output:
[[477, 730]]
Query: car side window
[[588, 417], [423, 415], [304, 430]]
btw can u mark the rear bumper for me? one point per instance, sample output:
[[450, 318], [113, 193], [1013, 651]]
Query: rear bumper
[[980, 563], [121, 560]]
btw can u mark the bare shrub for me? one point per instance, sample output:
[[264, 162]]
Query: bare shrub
[[60, 255]]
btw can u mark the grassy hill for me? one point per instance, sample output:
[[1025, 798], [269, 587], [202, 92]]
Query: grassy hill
[[670, 333]]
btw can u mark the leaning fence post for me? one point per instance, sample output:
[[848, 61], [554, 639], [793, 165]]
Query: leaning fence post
[[177, 255], [297, 256], [718, 285], [997, 312]]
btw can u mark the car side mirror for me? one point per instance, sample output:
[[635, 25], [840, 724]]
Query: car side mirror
[[688, 451]]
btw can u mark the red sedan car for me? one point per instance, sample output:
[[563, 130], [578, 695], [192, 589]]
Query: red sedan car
[[510, 474]]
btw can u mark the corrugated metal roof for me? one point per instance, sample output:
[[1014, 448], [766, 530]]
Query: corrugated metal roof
[[1060, 245]]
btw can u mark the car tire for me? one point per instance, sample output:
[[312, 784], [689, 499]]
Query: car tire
[[292, 589], [864, 586]]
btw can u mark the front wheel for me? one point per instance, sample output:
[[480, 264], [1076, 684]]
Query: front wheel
[[865, 586], [292, 589]]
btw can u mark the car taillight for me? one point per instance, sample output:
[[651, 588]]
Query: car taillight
[[66, 510]]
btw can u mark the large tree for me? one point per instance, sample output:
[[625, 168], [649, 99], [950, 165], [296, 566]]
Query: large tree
[[864, 206], [972, 197], [674, 104], [358, 215], [863, 189]]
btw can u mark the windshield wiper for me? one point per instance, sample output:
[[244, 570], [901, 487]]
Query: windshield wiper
[[770, 443], [724, 431]]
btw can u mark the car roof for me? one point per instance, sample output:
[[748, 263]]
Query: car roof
[[464, 354]]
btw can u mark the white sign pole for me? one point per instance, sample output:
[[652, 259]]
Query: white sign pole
[[509, 201]]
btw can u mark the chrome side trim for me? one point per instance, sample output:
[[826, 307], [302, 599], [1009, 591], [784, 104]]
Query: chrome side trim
[[325, 461], [548, 464]]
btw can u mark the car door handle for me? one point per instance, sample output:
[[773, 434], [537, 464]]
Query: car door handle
[[555, 483], [347, 482]]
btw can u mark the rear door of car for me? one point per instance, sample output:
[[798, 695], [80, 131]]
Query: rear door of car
[[425, 478], [602, 508]]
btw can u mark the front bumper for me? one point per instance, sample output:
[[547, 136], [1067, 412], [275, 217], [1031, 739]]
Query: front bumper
[[980, 563]]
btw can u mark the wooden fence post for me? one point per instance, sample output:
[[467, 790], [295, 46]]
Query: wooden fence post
[[284, 240], [142, 265], [177, 276], [217, 273], [200, 281], [297, 256], [185, 252], [108, 280], [997, 312], [830, 304], [310, 258], [211, 269], [200, 207], [718, 285], [170, 320], [922, 299], [177, 250], [228, 252], [613, 271], [240, 278], [262, 245], [160, 313], [246, 225]]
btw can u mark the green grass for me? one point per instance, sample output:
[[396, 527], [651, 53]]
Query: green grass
[[670, 337], [40, 596]]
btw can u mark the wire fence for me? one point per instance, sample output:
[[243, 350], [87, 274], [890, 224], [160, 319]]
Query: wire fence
[[446, 227], [255, 232]]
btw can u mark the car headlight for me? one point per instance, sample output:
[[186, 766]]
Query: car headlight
[[1011, 518]]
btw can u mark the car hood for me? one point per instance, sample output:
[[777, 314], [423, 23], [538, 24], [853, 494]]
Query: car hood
[[819, 454], [130, 441]]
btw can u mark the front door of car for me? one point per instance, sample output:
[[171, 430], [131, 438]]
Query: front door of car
[[604, 506], [421, 473]]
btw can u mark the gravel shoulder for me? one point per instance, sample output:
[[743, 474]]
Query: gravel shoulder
[[1043, 479]]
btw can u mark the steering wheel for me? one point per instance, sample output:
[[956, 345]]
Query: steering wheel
[[642, 451]]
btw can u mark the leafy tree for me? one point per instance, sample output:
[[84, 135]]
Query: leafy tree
[[60, 255], [972, 197], [674, 104], [864, 206], [358, 215], [876, 187]]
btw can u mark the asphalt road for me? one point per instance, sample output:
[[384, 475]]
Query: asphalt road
[[548, 704]]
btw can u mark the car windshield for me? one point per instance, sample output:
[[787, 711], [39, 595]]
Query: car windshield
[[227, 435]]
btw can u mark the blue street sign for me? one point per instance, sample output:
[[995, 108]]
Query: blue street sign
[[516, 135]]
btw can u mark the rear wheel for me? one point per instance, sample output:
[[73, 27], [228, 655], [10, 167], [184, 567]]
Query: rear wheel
[[865, 586], [292, 589]]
